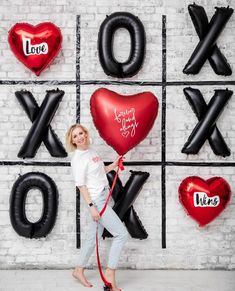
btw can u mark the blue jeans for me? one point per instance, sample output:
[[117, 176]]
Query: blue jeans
[[113, 224]]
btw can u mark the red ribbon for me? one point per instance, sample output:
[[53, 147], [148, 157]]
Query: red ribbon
[[120, 167]]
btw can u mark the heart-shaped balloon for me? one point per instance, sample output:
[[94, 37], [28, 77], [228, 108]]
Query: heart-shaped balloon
[[123, 121], [202, 199], [35, 46]]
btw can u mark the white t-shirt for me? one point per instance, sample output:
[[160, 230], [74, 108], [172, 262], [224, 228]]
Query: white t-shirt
[[88, 169]]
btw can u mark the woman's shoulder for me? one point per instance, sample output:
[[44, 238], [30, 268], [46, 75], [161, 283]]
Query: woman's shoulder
[[82, 155], [92, 148], [79, 160], [78, 155]]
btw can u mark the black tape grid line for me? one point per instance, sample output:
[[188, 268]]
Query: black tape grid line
[[133, 163], [78, 117], [113, 83], [163, 133]]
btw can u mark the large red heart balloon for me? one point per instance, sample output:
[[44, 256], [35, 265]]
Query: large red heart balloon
[[202, 199], [35, 46], [123, 121]]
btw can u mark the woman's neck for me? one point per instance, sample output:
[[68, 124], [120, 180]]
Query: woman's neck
[[83, 147]]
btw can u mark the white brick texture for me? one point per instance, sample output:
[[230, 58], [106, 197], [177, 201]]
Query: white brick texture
[[187, 245]]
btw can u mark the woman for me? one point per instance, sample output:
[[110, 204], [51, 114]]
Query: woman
[[90, 177]]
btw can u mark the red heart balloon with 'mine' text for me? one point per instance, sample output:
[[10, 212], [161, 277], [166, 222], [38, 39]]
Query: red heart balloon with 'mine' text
[[35, 46], [123, 121], [202, 199]]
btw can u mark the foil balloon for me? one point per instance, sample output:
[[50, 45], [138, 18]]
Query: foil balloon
[[50, 195], [204, 200], [35, 46], [105, 44], [124, 197], [41, 118], [206, 127], [208, 35], [216, 59], [123, 121]]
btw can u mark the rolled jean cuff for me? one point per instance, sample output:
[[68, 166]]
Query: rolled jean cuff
[[112, 267]]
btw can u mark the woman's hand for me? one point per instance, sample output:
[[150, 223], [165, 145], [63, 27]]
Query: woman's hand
[[94, 213], [115, 163]]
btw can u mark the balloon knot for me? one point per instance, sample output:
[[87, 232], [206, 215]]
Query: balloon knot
[[120, 163]]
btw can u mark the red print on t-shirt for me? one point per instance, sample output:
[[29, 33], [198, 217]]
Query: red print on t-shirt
[[96, 159]]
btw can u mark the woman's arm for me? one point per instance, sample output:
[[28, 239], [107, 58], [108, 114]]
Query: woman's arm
[[86, 196]]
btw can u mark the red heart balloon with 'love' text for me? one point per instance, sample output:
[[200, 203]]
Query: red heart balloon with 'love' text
[[35, 46], [123, 121], [202, 199]]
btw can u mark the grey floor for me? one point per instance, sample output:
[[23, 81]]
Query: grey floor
[[129, 280]]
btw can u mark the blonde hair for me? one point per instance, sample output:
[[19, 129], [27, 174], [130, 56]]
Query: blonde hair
[[69, 144]]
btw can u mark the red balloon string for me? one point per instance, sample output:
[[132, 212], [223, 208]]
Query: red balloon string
[[120, 167]]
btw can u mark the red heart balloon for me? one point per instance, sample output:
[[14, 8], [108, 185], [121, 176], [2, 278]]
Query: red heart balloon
[[202, 199], [123, 121], [35, 46]]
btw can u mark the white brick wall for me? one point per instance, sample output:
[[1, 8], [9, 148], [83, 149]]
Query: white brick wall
[[188, 246]]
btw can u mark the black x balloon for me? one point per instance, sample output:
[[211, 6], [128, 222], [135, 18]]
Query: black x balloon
[[208, 34], [124, 198], [207, 116], [41, 118]]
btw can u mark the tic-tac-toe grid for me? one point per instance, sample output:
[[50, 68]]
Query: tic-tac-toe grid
[[163, 163]]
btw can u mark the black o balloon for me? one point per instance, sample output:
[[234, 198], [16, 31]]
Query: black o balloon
[[19, 191], [105, 45]]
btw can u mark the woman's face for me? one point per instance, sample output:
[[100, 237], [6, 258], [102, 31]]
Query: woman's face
[[79, 137]]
